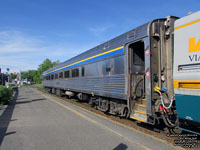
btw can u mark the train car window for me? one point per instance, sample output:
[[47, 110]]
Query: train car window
[[137, 59], [61, 75], [138, 54], [108, 69], [67, 74], [106, 45], [56, 76], [49, 77], [46, 77], [52, 77], [83, 71], [75, 72]]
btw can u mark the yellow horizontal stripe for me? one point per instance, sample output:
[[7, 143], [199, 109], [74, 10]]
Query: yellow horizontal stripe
[[187, 84], [144, 113], [142, 105], [138, 119], [188, 24], [88, 58]]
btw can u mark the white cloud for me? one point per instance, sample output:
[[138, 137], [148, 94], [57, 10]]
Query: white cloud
[[15, 41]]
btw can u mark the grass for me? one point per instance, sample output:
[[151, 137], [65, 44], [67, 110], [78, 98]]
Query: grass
[[37, 84]]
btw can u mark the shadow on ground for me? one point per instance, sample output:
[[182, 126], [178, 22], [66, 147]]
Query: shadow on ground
[[121, 146], [29, 101], [5, 118]]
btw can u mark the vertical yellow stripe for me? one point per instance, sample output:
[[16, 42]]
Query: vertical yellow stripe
[[129, 85]]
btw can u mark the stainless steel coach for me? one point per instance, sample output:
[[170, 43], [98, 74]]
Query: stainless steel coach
[[123, 76]]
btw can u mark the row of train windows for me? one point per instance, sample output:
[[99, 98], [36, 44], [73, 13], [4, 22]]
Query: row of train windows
[[66, 74]]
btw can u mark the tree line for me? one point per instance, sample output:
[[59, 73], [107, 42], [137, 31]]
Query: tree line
[[36, 75]]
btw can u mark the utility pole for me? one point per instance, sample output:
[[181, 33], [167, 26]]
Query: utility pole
[[1, 77], [8, 73]]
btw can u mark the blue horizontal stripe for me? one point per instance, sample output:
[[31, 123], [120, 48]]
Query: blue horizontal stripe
[[90, 60]]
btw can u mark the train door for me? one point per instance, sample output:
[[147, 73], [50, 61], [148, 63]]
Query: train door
[[137, 81], [137, 69]]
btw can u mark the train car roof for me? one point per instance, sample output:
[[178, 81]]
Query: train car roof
[[134, 34]]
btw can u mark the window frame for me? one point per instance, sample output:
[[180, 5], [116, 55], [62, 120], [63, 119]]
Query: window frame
[[56, 76], [67, 75], [75, 72], [83, 71], [60, 75]]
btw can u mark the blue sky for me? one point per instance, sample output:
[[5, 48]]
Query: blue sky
[[33, 30]]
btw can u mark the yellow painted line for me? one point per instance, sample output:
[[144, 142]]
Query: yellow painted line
[[88, 58], [94, 122], [144, 113], [138, 119], [188, 24]]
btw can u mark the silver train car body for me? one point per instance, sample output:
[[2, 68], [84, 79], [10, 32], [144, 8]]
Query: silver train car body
[[119, 75]]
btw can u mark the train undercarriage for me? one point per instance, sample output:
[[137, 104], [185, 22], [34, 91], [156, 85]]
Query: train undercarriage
[[118, 107]]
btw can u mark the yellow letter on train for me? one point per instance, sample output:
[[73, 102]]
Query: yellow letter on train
[[192, 46]]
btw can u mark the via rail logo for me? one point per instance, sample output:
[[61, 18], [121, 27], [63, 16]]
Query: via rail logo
[[194, 47]]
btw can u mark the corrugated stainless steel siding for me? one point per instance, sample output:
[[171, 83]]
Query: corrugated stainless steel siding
[[111, 86]]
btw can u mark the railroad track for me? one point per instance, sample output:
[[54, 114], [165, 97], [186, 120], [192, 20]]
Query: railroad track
[[160, 131]]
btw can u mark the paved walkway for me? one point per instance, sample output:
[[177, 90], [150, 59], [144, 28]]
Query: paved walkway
[[37, 121]]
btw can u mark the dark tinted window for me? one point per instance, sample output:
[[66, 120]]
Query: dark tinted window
[[75, 72], [83, 71], [52, 77], [56, 76], [67, 74], [61, 75], [108, 69], [138, 54]]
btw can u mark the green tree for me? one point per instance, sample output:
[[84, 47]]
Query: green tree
[[47, 64], [36, 75], [12, 76]]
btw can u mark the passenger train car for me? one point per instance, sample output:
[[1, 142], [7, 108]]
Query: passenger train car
[[129, 76]]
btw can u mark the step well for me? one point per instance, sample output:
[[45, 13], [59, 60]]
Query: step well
[[139, 111]]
